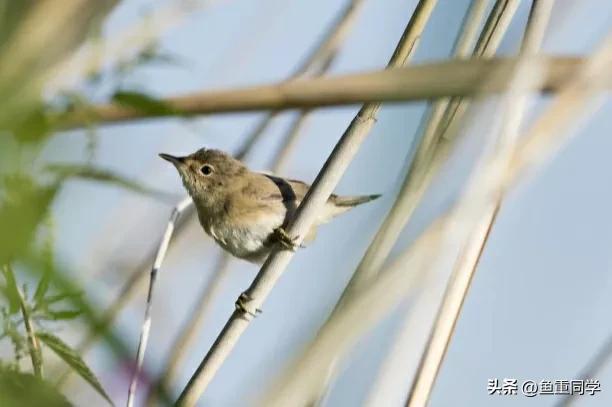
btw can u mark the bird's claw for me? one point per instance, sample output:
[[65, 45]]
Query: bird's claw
[[285, 241], [242, 306]]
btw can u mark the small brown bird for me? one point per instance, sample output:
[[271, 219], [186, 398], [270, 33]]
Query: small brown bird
[[245, 211]]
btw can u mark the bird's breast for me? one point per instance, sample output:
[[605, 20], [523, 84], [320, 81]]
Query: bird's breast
[[242, 237]]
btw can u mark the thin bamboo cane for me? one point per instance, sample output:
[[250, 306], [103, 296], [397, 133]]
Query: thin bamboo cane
[[414, 183], [419, 171], [316, 197], [388, 290], [188, 333], [461, 79], [316, 63], [467, 262], [278, 161], [146, 326]]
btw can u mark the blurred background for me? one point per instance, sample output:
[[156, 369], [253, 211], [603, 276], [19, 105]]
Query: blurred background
[[539, 303]]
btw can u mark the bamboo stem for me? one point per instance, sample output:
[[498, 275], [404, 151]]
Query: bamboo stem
[[316, 197], [422, 167], [388, 290], [461, 79], [316, 64], [146, 325], [429, 153], [467, 262]]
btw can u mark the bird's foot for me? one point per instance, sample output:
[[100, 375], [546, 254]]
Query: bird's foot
[[242, 304], [286, 242]]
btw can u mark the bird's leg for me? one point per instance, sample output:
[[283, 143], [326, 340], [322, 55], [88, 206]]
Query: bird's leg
[[286, 242], [242, 304]]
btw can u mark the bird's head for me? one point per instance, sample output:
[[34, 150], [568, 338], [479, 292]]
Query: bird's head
[[207, 174]]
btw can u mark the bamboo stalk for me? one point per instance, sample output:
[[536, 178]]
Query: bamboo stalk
[[421, 82], [191, 328], [388, 290], [316, 63], [429, 153], [146, 326], [562, 112], [499, 19], [421, 169], [316, 197], [415, 182]]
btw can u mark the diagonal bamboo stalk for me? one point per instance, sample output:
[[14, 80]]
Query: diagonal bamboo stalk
[[388, 290], [461, 79], [318, 194], [428, 152], [200, 311], [146, 326], [416, 179], [570, 100], [316, 63], [192, 327], [421, 168], [329, 45]]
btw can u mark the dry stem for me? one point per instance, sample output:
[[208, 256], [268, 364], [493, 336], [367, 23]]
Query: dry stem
[[316, 197]]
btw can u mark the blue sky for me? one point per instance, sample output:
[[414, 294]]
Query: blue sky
[[539, 303]]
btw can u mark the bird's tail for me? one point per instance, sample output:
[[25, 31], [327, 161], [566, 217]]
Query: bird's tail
[[337, 205], [350, 201]]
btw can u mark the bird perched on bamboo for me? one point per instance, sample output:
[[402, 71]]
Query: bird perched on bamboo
[[245, 211]]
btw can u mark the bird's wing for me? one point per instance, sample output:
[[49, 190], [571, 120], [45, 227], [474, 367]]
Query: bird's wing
[[283, 190]]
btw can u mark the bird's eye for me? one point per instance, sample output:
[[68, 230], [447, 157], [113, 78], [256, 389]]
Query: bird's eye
[[206, 169]]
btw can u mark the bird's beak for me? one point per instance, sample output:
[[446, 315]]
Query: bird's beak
[[177, 161]]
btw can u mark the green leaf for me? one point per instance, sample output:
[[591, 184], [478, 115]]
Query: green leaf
[[23, 208], [144, 103], [21, 389], [62, 296], [64, 171], [43, 286], [12, 291], [62, 315], [72, 358]]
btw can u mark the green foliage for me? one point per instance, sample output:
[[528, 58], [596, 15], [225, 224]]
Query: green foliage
[[28, 188], [144, 103], [65, 171], [72, 358], [20, 390], [23, 207]]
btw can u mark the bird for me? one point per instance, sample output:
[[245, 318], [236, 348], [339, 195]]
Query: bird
[[244, 211]]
